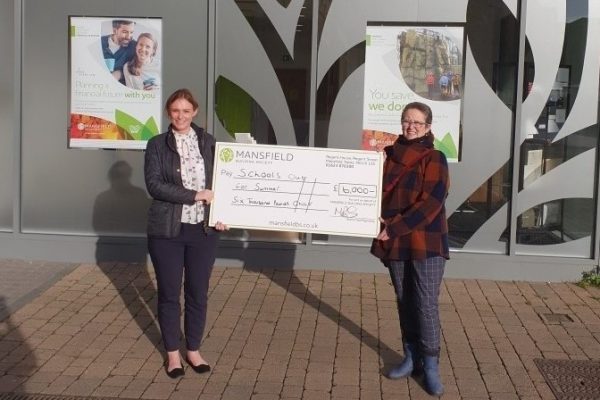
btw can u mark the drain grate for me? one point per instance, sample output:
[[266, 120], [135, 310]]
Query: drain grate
[[571, 379], [24, 396], [555, 318]]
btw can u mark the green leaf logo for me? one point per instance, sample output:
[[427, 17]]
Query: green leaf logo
[[447, 146], [226, 155], [135, 129]]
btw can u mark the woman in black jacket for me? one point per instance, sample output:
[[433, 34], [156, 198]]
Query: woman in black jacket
[[178, 171]]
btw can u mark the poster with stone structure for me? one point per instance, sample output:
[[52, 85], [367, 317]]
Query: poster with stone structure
[[413, 63]]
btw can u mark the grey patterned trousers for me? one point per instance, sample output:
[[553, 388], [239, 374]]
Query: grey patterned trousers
[[417, 285]]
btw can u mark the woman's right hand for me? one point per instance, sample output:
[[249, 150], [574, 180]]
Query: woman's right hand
[[383, 235], [221, 226], [204, 196]]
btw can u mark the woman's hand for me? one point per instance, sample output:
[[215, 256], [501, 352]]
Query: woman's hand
[[204, 196], [383, 235], [221, 226]]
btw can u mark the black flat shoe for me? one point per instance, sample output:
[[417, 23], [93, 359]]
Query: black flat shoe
[[200, 368], [175, 372]]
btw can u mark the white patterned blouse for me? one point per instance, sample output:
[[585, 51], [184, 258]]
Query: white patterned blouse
[[193, 174]]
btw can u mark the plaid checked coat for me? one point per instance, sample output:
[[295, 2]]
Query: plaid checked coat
[[413, 208]]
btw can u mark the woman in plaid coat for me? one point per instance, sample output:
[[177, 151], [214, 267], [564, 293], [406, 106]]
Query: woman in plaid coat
[[413, 242]]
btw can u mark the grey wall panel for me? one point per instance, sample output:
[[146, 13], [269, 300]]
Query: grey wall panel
[[90, 192], [7, 112], [579, 248]]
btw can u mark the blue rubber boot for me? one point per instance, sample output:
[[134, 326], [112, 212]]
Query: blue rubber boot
[[408, 364], [432, 381]]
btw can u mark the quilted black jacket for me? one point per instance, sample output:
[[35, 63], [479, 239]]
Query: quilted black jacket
[[162, 172]]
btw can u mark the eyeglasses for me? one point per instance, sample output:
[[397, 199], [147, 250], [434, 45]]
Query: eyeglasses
[[416, 124]]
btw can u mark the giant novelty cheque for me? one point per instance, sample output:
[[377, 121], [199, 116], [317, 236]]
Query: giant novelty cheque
[[297, 189]]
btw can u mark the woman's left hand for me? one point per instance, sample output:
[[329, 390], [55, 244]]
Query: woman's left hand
[[205, 196], [221, 227], [383, 235]]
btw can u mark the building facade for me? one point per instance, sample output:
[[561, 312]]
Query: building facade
[[523, 202]]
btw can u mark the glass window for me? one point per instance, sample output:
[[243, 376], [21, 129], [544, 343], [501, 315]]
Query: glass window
[[264, 91], [555, 209]]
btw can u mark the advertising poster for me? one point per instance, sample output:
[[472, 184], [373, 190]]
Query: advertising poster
[[413, 63], [115, 78]]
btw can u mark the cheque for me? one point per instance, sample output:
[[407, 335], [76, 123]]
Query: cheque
[[298, 189]]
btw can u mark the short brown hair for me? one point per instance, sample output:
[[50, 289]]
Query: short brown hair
[[181, 94], [424, 108], [116, 23]]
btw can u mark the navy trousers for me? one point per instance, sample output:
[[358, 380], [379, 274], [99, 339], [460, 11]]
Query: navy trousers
[[190, 256], [417, 285]]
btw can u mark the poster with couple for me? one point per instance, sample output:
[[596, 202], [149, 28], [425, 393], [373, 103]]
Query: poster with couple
[[115, 81], [406, 63]]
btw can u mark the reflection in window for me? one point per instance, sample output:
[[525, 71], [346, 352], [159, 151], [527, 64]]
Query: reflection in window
[[493, 35], [539, 157], [556, 222], [479, 207], [238, 112], [568, 76], [329, 88]]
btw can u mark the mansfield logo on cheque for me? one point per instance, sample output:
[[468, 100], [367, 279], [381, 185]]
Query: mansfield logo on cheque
[[226, 155]]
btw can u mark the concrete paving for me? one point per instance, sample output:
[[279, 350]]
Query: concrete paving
[[21, 281], [287, 335]]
